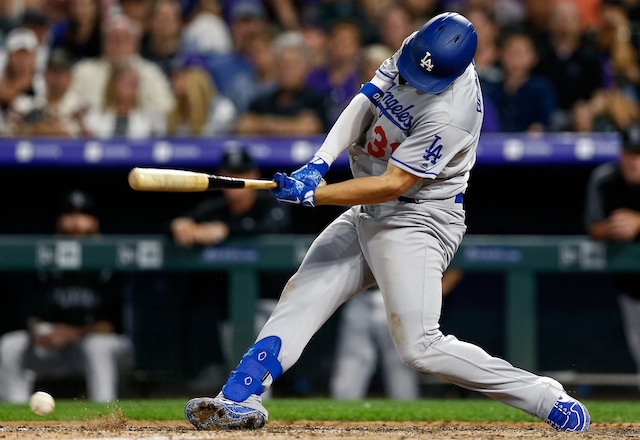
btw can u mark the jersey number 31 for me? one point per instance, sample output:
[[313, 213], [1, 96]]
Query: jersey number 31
[[380, 143]]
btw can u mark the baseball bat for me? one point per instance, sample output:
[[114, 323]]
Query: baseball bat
[[171, 180]]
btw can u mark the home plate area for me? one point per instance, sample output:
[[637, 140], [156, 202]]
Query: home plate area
[[327, 430]]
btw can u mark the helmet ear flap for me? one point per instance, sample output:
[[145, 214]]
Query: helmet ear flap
[[439, 52]]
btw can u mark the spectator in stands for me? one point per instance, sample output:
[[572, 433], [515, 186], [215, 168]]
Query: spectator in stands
[[61, 113], [537, 15], [612, 214], [164, 39], [487, 54], [80, 34], [5, 25], [486, 60], [633, 12], [57, 10], [421, 11], [232, 213], [293, 109], [339, 80], [109, 7], [568, 60], [329, 11], [200, 109], [121, 45], [20, 87], [75, 325], [395, 25], [233, 72], [614, 39], [205, 31], [589, 13], [140, 12], [13, 9], [260, 53], [37, 21], [374, 12], [285, 14], [121, 114], [525, 102], [507, 13], [372, 56], [617, 104], [316, 39]]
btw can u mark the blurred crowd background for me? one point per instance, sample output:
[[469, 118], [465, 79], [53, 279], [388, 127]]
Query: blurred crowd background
[[140, 69]]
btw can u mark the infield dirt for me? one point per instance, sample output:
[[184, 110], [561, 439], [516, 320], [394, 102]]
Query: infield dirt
[[122, 429]]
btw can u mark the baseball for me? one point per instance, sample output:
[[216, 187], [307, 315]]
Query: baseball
[[41, 403]]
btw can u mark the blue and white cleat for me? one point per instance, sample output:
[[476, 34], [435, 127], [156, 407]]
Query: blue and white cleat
[[220, 413], [568, 414]]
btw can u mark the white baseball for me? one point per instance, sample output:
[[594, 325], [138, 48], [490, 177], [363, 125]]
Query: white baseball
[[42, 403]]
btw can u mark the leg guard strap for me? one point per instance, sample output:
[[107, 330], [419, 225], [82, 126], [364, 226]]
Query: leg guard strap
[[256, 366]]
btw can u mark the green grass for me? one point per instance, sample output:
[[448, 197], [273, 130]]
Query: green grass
[[481, 409]]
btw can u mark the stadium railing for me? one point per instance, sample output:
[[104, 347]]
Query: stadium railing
[[519, 258]]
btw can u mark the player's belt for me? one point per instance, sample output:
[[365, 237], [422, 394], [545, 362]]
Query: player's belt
[[457, 199]]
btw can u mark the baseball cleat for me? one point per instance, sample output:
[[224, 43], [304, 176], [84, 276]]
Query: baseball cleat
[[568, 414], [219, 413]]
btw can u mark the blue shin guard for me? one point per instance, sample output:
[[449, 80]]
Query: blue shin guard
[[258, 365]]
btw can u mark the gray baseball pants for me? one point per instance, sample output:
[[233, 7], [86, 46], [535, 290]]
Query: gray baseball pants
[[405, 248]]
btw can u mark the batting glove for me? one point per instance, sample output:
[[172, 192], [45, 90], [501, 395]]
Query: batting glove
[[293, 191], [312, 172]]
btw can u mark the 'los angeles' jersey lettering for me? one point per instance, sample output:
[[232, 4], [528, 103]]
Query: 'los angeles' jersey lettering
[[397, 113]]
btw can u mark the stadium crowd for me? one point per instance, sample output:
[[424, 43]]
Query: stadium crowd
[[144, 68]]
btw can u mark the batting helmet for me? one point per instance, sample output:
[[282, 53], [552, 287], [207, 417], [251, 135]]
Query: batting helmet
[[438, 53]]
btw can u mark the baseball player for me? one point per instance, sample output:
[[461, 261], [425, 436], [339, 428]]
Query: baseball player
[[612, 214], [411, 135]]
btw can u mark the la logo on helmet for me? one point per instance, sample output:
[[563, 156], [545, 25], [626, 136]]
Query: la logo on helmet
[[426, 62]]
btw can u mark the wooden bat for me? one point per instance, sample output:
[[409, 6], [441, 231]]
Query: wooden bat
[[170, 180]]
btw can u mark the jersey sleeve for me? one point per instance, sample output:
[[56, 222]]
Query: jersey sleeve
[[430, 148], [358, 114]]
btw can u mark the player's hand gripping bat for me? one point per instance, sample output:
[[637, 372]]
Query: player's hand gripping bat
[[170, 180]]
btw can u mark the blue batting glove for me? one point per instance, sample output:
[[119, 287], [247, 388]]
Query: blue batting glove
[[312, 172], [293, 191]]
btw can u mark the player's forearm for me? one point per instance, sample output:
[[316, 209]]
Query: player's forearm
[[351, 124], [365, 190]]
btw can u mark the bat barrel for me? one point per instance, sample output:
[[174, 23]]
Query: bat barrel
[[158, 179], [170, 180]]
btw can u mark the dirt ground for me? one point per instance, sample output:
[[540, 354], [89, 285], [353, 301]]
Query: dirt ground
[[121, 429]]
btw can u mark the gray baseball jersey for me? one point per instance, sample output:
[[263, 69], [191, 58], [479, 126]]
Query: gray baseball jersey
[[432, 136], [405, 245]]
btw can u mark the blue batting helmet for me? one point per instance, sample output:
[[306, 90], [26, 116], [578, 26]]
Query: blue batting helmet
[[438, 53]]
